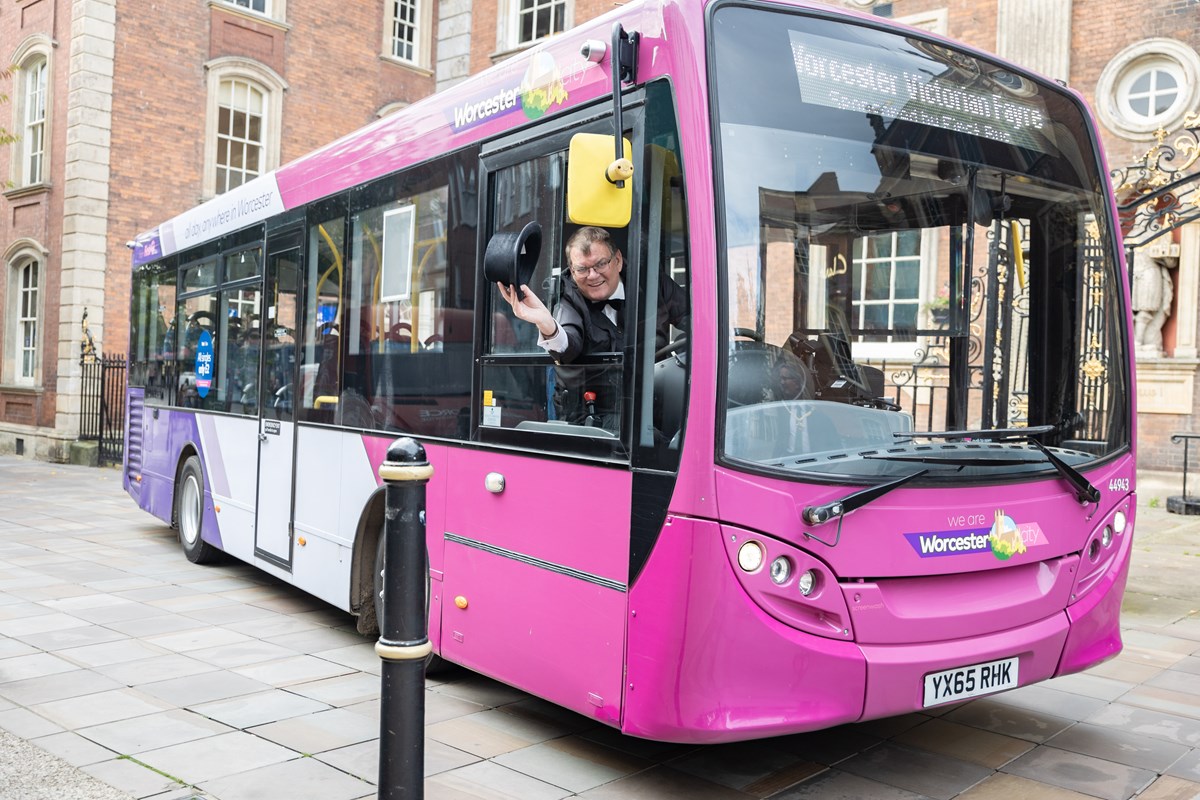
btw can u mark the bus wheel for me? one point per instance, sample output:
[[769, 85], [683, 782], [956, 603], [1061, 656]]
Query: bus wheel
[[189, 513], [436, 663]]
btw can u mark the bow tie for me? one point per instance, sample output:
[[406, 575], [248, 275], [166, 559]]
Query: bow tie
[[616, 304]]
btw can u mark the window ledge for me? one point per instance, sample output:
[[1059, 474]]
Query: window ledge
[[406, 65], [26, 191], [22, 388]]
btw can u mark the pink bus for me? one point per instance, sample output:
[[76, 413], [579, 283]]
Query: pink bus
[[878, 457]]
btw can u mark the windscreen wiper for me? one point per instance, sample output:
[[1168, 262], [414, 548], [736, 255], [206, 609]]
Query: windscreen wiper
[[988, 435], [815, 515], [1085, 492]]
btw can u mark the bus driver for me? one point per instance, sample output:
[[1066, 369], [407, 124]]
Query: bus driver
[[588, 318]]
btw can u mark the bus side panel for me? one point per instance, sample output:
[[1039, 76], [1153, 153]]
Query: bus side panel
[[230, 455], [550, 634], [706, 664], [318, 479]]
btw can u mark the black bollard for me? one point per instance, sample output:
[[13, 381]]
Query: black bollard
[[404, 628]]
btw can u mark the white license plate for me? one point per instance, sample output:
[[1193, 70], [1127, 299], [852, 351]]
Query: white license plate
[[961, 683]]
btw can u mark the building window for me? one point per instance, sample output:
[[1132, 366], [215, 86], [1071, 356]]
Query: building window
[[887, 270], [1151, 85], [537, 19], [34, 130], [261, 6], [245, 104], [404, 29], [27, 322], [240, 110], [523, 22], [22, 313], [30, 104], [1151, 91]]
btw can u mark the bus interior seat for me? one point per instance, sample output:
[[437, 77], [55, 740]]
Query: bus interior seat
[[761, 373]]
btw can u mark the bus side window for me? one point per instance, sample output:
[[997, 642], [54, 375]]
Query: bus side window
[[667, 317], [518, 376], [410, 363], [152, 349], [240, 334], [320, 371], [196, 319]]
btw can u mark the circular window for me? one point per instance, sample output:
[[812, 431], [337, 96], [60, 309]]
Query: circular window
[[1150, 85], [1152, 91]]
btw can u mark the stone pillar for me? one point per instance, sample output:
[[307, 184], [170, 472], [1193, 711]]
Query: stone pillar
[[1036, 34], [85, 198], [1186, 309], [453, 42]]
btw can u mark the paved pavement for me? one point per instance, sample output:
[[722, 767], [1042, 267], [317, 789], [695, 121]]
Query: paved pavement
[[126, 671]]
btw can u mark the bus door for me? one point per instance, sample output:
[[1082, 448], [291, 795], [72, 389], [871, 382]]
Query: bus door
[[537, 544], [277, 381]]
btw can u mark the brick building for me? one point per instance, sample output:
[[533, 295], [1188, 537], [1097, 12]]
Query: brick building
[[128, 114]]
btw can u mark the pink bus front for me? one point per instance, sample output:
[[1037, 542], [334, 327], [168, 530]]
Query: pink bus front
[[860, 445]]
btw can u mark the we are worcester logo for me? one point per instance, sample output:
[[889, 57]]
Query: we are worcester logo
[[1003, 538]]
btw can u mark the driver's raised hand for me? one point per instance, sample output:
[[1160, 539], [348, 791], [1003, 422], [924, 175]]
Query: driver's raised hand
[[527, 306]]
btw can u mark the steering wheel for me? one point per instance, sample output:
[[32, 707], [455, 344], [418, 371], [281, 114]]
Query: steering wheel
[[673, 347], [748, 334]]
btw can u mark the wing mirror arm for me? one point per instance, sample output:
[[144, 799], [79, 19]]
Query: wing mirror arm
[[624, 70]]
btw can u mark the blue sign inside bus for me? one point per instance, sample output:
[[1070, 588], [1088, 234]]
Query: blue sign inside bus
[[204, 363]]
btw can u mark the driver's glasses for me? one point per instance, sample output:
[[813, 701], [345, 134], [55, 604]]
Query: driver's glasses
[[600, 266]]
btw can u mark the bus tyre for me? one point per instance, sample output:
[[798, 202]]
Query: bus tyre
[[189, 513], [435, 664]]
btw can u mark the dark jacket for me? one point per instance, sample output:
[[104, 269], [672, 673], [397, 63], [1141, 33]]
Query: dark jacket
[[590, 331]]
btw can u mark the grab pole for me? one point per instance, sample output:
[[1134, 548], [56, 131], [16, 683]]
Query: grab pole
[[404, 628]]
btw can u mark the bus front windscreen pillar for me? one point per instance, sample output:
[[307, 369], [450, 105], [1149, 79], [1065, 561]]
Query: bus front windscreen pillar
[[404, 627]]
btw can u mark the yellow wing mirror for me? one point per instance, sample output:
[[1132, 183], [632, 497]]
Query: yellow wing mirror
[[599, 191]]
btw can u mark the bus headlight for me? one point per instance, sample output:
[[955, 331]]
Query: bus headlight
[[750, 556], [1119, 521], [781, 570], [1107, 536], [807, 582]]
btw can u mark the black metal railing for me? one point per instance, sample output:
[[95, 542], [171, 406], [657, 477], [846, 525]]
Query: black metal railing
[[102, 412]]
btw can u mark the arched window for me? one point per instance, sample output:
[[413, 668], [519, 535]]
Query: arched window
[[245, 103], [31, 85], [240, 145], [27, 320], [33, 132], [23, 313]]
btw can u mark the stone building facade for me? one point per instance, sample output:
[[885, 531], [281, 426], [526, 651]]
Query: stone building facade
[[126, 112]]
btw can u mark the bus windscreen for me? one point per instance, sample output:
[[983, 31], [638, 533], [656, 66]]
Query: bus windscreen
[[914, 241]]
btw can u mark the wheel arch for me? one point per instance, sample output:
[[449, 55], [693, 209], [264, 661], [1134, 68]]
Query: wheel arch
[[362, 565]]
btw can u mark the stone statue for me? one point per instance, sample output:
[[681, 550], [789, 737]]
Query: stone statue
[[1152, 293]]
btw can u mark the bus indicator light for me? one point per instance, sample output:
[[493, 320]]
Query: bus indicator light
[[461, 602]]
